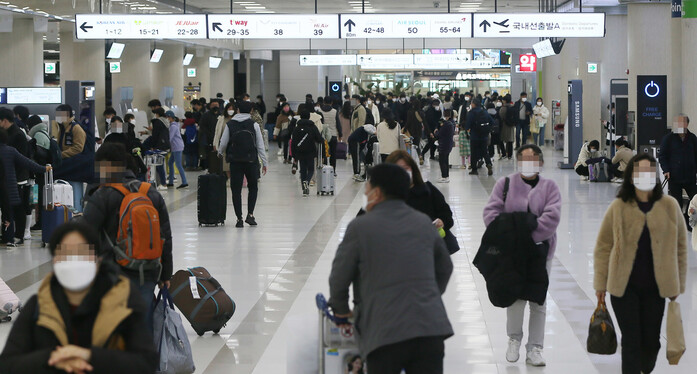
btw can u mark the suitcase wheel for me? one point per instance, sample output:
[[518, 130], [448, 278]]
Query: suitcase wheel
[[6, 319]]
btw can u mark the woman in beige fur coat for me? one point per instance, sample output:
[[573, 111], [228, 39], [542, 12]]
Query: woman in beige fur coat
[[641, 259]]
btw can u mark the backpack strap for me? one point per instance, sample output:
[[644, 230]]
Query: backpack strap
[[119, 187], [144, 188]]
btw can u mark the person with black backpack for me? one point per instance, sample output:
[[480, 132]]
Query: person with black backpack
[[243, 146], [479, 124], [304, 148]]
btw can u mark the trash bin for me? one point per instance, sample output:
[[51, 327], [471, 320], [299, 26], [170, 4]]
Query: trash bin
[[559, 137]]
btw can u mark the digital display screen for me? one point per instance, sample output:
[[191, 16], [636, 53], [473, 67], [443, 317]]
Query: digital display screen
[[116, 50], [214, 62], [34, 95], [3, 95], [89, 92], [156, 55]]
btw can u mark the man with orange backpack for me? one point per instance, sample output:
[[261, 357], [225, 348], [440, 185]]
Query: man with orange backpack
[[132, 219]]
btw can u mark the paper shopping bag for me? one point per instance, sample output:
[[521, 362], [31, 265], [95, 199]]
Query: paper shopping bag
[[676, 336]]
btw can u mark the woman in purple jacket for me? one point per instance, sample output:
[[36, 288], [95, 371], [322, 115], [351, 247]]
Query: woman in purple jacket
[[528, 191]]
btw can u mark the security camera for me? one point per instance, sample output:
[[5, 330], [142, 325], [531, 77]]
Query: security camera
[[436, 4]]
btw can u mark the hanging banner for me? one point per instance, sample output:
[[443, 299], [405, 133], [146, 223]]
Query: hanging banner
[[539, 25]]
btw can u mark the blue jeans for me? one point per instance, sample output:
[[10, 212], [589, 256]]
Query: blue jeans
[[191, 160], [541, 137], [522, 128], [78, 193], [176, 157], [147, 291]]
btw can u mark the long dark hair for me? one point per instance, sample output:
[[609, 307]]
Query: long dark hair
[[350, 364], [346, 110], [627, 191], [388, 117], [395, 156]]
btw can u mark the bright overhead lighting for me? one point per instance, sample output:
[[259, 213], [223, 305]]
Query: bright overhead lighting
[[214, 62], [188, 58], [156, 55], [255, 7]]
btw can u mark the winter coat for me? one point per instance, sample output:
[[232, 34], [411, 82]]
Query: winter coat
[[102, 211], [584, 155], [206, 129], [432, 119], [388, 138], [414, 126], [507, 129], [516, 110], [622, 156], [475, 127], [541, 120], [544, 201], [13, 161], [427, 199], [175, 138], [17, 138], [110, 322], [358, 117], [77, 144], [77, 163], [399, 268], [330, 121], [679, 157], [446, 135], [617, 245]]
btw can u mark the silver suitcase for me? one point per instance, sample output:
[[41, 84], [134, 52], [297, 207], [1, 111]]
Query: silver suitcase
[[326, 181], [376, 154]]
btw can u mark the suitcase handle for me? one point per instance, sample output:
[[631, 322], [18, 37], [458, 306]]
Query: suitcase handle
[[164, 296], [48, 190]]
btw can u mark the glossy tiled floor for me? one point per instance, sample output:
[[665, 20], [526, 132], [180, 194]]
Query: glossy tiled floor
[[273, 272]]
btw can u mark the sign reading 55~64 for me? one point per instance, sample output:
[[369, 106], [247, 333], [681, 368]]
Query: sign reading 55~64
[[140, 26], [406, 25]]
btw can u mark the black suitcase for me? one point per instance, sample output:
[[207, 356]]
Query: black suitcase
[[206, 305], [212, 199]]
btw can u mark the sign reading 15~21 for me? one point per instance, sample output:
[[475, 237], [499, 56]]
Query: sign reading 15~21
[[406, 26]]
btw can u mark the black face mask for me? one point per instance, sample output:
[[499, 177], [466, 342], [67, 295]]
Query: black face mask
[[214, 109]]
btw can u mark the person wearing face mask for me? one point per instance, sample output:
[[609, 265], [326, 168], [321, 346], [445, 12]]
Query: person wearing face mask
[[207, 125], [623, 154], [399, 267], [427, 198], [522, 110], [462, 111], [401, 109], [373, 108], [176, 149], [431, 124], [358, 117], [588, 151], [282, 133], [640, 258], [85, 317], [415, 125], [537, 127], [678, 158], [224, 117], [529, 192], [119, 134]]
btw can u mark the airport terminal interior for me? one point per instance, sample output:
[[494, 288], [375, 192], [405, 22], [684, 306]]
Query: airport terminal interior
[[604, 79]]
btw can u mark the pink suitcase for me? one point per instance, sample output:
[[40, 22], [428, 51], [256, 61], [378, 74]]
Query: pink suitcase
[[9, 302]]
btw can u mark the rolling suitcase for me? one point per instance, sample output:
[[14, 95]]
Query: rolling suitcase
[[326, 179], [376, 154], [454, 159], [52, 215], [9, 302], [265, 135], [201, 300], [341, 152], [212, 199]]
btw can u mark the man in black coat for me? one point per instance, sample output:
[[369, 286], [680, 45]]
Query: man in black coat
[[678, 158], [433, 116], [522, 110], [206, 126], [17, 139], [479, 124]]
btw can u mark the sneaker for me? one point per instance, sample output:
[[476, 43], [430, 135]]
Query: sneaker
[[490, 170], [513, 352], [250, 220], [171, 185], [474, 172], [240, 223], [280, 152], [480, 163], [11, 245], [306, 189], [360, 179], [294, 169], [584, 178], [27, 235], [618, 180], [162, 187], [183, 186], [535, 358], [444, 180], [312, 183], [421, 160]]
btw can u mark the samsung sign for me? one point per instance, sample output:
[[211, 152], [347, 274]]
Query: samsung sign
[[676, 8]]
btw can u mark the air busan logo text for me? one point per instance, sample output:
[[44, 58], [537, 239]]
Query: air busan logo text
[[238, 23]]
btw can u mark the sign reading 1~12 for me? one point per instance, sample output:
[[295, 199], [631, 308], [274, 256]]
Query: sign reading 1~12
[[273, 26], [406, 25]]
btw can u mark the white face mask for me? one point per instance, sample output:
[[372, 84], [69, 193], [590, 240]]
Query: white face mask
[[488, 96], [133, 122], [539, 103], [402, 100], [467, 98], [365, 202], [524, 99], [108, 121], [317, 109], [646, 181], [117, 128], [75, 275], [61, 119], [678, 130], [230, 112], [529, 168], [369, 102], [498, 105]]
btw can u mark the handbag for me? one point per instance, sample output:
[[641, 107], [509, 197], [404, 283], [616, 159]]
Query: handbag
[[451, 242], [675, 334], [602, 338], [170, 337]]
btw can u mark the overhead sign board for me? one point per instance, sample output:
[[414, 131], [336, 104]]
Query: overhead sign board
[[34, 95], [140, 26], [386, 59], [539, 25], [373, 26], [273, 26], [442, 59], [327, 60]]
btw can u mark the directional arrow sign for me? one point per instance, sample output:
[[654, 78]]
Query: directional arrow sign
[[273, 26], [115, 67], [49, 67], [485, 24], [216, 26], [84, 27], [350, 24]]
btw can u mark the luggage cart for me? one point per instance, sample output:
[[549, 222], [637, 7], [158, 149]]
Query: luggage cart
[[152, 160], [335, 344]]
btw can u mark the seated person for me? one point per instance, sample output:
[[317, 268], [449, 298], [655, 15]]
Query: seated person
[[86, 317], [623, 153], [588, 151]]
